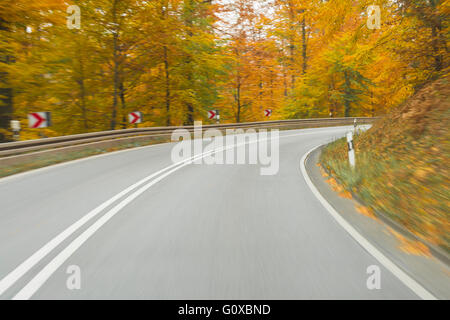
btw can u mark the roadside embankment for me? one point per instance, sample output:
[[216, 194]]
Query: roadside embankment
[[402, 164]]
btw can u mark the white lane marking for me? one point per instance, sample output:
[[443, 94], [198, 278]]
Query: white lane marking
[[23, 268], [386, 262], [28, 291]]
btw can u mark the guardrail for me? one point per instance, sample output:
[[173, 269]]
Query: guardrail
[[22, 148]]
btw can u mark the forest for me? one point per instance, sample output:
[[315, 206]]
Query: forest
[[91, 62]]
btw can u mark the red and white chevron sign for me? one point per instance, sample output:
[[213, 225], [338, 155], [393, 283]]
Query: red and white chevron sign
[[212, 114], [135, 117], [268, 112], [39, 119]]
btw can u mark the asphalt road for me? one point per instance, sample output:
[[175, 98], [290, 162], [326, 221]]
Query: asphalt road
[[194, 232]]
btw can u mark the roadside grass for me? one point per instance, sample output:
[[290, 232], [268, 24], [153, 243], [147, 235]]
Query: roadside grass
[[48, 160], [402, 165]]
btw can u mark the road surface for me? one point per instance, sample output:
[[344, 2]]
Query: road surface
[[194, 232]]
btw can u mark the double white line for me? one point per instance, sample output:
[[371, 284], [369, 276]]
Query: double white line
[[31, 287], [49, 269]]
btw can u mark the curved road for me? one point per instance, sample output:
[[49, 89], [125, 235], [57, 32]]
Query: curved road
[[190, 232]]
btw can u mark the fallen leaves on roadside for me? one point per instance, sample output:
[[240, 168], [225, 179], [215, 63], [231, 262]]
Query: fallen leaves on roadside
[[334, 185], [413, 247], [322, 171], [366, 211], [346, 195], [402, 165]]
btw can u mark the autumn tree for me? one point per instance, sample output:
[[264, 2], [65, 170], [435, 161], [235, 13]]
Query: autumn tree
[[175, 59], [17, 19]]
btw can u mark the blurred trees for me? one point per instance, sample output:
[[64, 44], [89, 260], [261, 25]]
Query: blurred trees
[[357, 71], [175, 59]]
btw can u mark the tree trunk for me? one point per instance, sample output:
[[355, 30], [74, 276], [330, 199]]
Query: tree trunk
[[167, 78], [437, 36], [122, 101], [372, 111], [82, 87], [347, 94], [260, 88], [292, 43], [238, 99], [164, 13], [83, 102], [271, 88], [6, 92], [189, 119], [285, 86], [304, 45], [436, 48], [115, 66]]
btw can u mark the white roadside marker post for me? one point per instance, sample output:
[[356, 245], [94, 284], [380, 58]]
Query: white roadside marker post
[[351, 149], [15, 126]]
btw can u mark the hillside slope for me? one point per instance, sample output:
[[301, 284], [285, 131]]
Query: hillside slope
[[402, 164]]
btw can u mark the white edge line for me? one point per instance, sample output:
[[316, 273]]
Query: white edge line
[[25, 266], [65, 163], [386, 262]]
